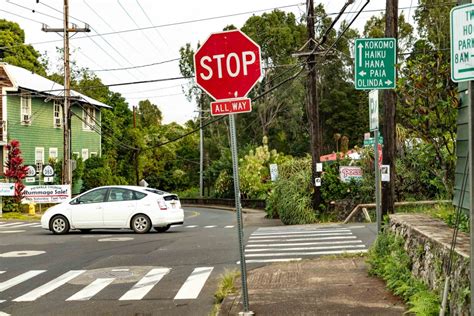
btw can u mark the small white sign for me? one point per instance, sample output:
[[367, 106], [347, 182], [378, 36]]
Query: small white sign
[[319, 167], [317, 182], [347, 173], [374, 110], [274, 171], [7, 189], [385, 173], [30, 179], [48, 179], [30, 171]]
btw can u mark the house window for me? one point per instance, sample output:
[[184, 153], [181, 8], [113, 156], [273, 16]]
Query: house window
[[85, 154], [58, 114], [53, 153], [25, 110], [39, 158], [93, 154], [75, 155], [88, 117]]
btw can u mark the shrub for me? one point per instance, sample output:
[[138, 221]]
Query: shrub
[[290, 198], [388, 259]]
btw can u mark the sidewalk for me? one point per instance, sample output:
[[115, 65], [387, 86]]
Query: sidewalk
[[324, 286]]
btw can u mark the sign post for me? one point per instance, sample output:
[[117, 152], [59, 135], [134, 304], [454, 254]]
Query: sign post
[[375, 60], [462, 69], [227, 67], [374, 126]]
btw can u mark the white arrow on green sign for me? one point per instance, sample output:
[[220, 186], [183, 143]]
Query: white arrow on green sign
[[375, 60]]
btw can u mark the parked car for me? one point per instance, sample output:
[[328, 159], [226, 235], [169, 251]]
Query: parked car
[[134, 207]]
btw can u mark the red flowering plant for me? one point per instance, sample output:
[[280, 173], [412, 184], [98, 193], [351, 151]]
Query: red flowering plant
[[16, 171]]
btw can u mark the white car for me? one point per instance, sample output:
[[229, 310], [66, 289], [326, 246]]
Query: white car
[[133, 207]]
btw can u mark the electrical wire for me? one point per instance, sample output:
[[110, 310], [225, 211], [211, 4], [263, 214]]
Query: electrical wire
[[151, 23]]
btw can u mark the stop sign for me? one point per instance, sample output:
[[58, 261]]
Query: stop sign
[[227, 65]]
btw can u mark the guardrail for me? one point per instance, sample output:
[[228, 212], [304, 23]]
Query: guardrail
[[246, 203]]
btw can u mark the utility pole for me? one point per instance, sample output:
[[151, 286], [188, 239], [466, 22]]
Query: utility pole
[[135, 152], [313, 106], [390, 102], [67, 170]]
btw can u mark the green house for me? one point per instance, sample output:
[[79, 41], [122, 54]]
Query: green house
[[31, 111]]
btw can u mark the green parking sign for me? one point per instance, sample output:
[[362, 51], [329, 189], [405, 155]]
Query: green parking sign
[[375, 60]]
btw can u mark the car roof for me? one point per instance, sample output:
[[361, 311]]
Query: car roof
[[136, 188]]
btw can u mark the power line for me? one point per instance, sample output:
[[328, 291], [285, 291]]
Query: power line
[[139, 66], [151, 23]]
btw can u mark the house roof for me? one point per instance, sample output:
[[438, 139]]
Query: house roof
[[23, 78]]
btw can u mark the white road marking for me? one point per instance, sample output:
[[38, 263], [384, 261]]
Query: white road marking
[[116, 239], [37, 225], [50, 286], [305, 248], [10, 224], [92, 289], [305, 235], [3, 313], [303, 239], [306, 243], [302, 232], [359, 226], [142, 287], [177, 225], [210, 226], [271, 260], [229, 226], [11, 231], [331, 252], [191, 226], [194, 283], [21, 253], [19, 279], [23, 225], [2, 272]]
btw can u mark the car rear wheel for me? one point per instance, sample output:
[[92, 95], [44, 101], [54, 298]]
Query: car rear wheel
[[162, 229], [59, 225], [141, 224]]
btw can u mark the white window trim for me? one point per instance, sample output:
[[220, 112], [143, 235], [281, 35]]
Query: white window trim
[[76, 154], [60, 112], [24, 113], [55, 151], [93, 154], [85, 154], [39, 159], [88, 118]]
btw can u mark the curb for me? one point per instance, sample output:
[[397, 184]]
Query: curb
[[225, 208]]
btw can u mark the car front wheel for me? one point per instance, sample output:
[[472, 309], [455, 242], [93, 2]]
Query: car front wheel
[[59, 225], [141, 224]]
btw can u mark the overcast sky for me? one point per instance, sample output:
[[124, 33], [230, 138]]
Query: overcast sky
[[154, 45]]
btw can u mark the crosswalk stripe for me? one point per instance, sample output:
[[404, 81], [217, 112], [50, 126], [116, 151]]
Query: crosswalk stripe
[[50, 286], [342, 242], [271, 260], [11, 231], [191, 226], [229, 226], [194, 283], [300, 236], [142, 287], [22, 225], [3, 313], [210, 226], [303, 239], [2, 272], [331, 252], [301, 232], [10, 224], [19, 279], [92, 289], [304, 248]]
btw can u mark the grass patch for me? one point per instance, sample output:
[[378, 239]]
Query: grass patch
[[388, 259], [225, 288], [20, 216]]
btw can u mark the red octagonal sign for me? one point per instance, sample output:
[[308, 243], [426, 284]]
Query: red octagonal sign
[[227, 65]]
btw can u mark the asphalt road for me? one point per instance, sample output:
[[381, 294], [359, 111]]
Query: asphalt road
[[109, 272]]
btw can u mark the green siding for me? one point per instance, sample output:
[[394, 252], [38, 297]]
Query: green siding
[[462, 149], [43, 133]]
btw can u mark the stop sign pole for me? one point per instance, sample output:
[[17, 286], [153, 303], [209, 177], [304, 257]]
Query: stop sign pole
[[227, 66]]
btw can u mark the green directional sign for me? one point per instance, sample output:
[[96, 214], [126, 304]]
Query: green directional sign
[[375, 60], [371, 141]]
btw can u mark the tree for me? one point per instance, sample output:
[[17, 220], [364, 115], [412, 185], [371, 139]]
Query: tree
[[16, 171], [149, 115], [14, 51]]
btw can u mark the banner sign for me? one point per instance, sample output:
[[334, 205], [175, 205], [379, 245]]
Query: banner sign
[[348, 173], [7, 189], [46, 193]]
